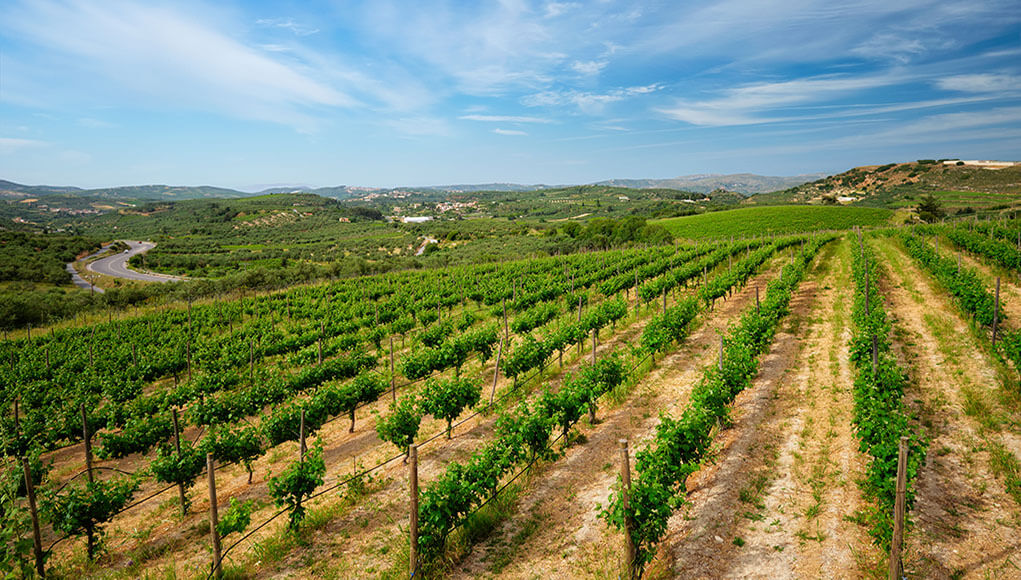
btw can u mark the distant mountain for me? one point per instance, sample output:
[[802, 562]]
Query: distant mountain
[[747, 183], [142, 192]]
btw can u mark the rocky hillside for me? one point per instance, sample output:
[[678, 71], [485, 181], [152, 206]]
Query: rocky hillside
[[982, 182]]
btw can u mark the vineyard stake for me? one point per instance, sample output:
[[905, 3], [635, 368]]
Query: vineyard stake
[[393, 377], [177, 447], [496, 372], [758, 306], [625, 491], [188, 346], [213, 517], [134, 355], [88, 443], [868, 291], [898, 511], [594, 331], [996, 311], [505, 331], [413, 492], [301, 437], [37, 541]]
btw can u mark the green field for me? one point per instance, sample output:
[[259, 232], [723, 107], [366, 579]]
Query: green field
[[773, 220]]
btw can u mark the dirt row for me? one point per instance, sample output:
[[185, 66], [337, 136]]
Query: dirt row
[[965, 524]]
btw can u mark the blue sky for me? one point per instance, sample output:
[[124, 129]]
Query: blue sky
[[386, 93]]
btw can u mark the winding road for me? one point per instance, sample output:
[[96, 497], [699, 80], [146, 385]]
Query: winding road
[[117, 265]]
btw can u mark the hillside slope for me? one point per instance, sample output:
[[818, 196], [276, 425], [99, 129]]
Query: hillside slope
[[959, 184]]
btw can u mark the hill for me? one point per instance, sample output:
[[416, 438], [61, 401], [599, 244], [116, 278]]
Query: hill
[[747, 221], [960, 185], [746, 183]]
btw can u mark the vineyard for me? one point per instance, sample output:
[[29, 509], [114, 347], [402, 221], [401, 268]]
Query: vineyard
[[728, 409]]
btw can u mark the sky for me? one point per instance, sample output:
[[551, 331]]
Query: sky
[[391, 93]]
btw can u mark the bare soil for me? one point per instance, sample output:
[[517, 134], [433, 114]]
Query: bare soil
[[965, 525]]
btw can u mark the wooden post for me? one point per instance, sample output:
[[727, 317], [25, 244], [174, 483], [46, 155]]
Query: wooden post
[[898, 511], [625, 492], [496, 372], [301, 437], [506, 332], [868, 291], [413, 492], [37, 541], [88, 443], [996, 311], [213, 517], [393, 376], [188, 346], [664, 300], [177, 447], [758, 306], [319, 342]]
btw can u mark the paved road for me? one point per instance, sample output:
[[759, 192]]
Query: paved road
[[117, 265], [79, 281]]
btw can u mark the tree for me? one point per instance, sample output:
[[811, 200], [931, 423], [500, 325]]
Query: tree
[[930, 209]]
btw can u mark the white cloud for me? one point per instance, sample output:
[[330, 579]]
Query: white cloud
[[554, 9], [169, 57], [12, 144], [504, 119], [588, 68], [288, 24], [591, 103], [745, 105], [514, 132], [888, 46], [981, 83]]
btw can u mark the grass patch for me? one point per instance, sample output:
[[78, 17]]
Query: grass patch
[[1005, 465], [773, 220]]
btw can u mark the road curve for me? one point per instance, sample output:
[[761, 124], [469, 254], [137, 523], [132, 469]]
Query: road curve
[[79, 281], [117, 265]]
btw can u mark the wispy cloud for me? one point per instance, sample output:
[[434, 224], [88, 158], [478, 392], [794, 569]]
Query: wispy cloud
[[504, 119], [588, 68], [11, 144], [554, 9], [591, 103], [747, 105], [513, 132], [169, 57], [981, 83], [287, 24]]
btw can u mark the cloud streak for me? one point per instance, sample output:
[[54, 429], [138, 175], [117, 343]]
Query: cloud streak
[[170, 57]]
